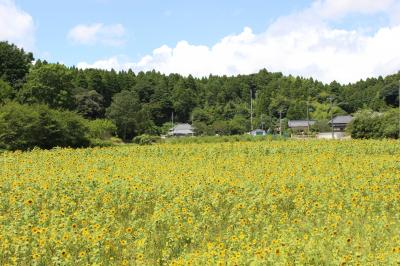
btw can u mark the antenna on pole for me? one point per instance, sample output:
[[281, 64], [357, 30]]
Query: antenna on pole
[[333, 133], [280, 122], [251, 109], [308, 119]]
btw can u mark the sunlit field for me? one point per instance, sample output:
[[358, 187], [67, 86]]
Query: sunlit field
[[260, 203]]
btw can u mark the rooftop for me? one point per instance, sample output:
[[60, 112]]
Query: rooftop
[[300, 123], [180, 127], [341, 119]]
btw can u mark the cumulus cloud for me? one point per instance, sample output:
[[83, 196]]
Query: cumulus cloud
[[338, 8], [115, 62], [110, 35], [16, 25], [302, 44]]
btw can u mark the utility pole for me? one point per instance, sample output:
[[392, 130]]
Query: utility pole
[[280, 122], [251, 109], [172, 119], [262, 122], [333, 133], [308, 119]]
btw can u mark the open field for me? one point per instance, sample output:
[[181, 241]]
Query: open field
[[277, 202]]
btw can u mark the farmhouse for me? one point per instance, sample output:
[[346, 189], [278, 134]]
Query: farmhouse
[[258, 132], [181, 130], [339, 123], [300, 125]]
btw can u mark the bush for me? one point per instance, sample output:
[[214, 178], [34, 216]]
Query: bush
[[321, 126], [73, 128], [101, 129], [146, 139], [6, 92], [24, 127], [368, 124]]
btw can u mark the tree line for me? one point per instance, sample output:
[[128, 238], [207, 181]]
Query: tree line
[[143, 103]]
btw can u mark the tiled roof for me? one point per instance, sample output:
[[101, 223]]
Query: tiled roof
[[300, 123], [341, 119]]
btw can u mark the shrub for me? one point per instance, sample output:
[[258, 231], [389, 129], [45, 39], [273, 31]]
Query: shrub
[[368, 124], [101, 129], [145, 139], [74, 129], [24, 127]]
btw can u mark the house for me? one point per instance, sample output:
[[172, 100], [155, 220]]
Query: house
[[339, 123], [258, 132], [300, 125], [181, 130]]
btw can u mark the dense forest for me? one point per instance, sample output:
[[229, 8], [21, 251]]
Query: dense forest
[[144, 102]]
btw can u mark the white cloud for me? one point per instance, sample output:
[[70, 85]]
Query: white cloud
[[115, 62], [303, 44], [338, 8], [16, 26], [110, 35]]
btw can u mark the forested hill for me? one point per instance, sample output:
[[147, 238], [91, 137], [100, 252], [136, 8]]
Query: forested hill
[[143, 102]]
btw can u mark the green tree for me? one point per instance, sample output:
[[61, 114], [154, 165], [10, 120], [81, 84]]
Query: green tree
[[123, 112], [366, 124], [101, 129], [24, 127], [49, 84], [14, 63], [90, 104], [390, 94], [238, 125], [183, 101], [6, 92], [297, 110]]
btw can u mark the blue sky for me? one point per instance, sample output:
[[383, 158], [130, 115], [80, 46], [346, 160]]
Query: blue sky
[[342, 40], [148, 24]]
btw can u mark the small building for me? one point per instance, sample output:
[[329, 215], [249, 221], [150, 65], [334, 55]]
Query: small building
[[300, 125], [339, 123], [181, 130], [258, 132]]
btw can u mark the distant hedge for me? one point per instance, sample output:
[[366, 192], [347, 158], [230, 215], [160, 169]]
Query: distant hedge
[[24, 127], [373, 125]]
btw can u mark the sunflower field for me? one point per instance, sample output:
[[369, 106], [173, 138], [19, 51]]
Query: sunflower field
[[239, 203]]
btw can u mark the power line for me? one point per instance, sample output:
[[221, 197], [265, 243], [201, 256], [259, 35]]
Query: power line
[[331, 100]]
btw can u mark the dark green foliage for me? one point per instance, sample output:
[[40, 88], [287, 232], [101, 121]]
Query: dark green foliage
[[144, 103], [123, 112], [24, 127], [14, 64], [321, 126], [146, 139], [6, 92], [369, 124], [101, 129], [390, 94], [297, 110], [74, 129], [90, 104], [49, 84]]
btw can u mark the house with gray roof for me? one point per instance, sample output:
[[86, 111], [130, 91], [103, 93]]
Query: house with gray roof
[[300, 125], [258, 132], [339, 123], [181, 130]]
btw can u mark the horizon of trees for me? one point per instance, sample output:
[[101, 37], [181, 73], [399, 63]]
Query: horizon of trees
[[142, 103]]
